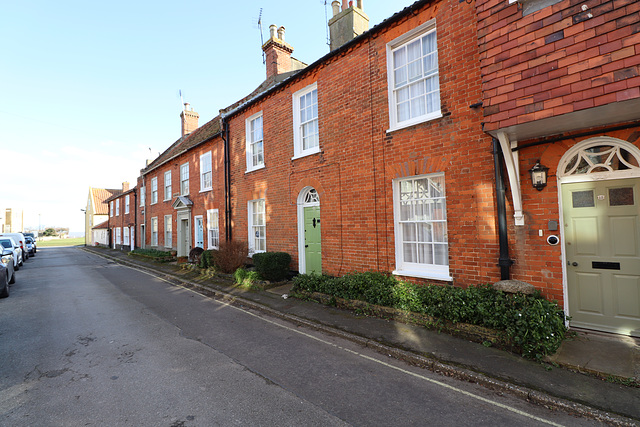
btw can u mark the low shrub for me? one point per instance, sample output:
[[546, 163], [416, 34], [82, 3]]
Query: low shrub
[[154, 253], [246, 278], [230, 256], [529, 323], [207, 258], [272, 266]]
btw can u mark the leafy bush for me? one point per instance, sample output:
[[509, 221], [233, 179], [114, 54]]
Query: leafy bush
[[207, 258], [530, 323], [246, 278], [272, 266], [151, 253], [230, 256]]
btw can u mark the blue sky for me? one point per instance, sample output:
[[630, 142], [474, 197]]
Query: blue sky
[[89, 90]]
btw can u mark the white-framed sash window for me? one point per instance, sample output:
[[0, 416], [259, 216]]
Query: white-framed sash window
[[255, 143], [257, 226], [206, 182], [167, 185], [154, 190], [184, 179], [306, 136], [154, 231], [413, 77], [213, 229], [420, 227], [168, 231]]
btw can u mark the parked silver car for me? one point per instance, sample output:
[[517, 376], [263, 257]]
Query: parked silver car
[[7, 273]]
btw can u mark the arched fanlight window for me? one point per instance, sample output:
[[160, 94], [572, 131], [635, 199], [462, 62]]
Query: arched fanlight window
[[311, 196], [603, 154]]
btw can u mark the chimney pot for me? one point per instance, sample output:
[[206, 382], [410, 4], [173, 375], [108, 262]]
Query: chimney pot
[[272, 31], [336, 7], [186, 106], [281, 33]]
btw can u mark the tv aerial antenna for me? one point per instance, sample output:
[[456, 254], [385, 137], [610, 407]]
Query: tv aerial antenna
[[264, 60]]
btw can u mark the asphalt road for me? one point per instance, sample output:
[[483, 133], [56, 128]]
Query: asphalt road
[[85, 341]]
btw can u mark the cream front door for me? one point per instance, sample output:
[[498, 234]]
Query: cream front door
[[602, 246]]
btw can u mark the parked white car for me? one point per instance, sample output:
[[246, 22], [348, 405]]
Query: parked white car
[[20, 240], [8, 243]]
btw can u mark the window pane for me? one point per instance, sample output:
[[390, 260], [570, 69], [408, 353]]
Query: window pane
[[441, 256], [409, 252], [621, 196], [409, 232], [425, 253], [583, 199]]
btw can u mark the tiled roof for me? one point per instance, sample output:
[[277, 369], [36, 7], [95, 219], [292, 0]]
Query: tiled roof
[[101, 225], [100, 195], [198, 136], [120, 193]]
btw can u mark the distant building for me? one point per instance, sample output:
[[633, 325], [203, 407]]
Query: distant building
[[97, 210], [11, 220]]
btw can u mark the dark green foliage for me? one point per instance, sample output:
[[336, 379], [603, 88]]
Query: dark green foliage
[[272, 266], [207, 258], [151, 253], [531, 324]]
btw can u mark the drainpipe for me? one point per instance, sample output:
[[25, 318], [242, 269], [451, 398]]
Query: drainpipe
[[504, 261], [135, 218], [227, 180]]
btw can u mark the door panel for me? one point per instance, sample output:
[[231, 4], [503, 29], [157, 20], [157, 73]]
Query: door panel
[[312, 240], [602, 242]]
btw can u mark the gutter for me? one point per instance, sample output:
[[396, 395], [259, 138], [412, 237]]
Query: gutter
[[227, 180]]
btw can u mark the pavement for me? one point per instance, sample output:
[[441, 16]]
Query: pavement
[[593, 374]]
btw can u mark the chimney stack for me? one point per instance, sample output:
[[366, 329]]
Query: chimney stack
[[277, 52], [347, 24], [125, 186], [189, 119]]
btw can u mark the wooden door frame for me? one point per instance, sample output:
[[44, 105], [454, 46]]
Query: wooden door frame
[[302, 264], [588, 177]]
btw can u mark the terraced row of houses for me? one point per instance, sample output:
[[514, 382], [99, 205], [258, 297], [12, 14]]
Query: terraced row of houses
[[457, 142]]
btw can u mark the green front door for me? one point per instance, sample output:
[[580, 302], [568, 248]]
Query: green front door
[[602, 241], [312, 240]]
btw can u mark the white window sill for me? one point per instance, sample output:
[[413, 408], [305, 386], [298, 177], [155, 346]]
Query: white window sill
[[305, 154], [413, 122], [204, 190], [423, 275], [257, 168]]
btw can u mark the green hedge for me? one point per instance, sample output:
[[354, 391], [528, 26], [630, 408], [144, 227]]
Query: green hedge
[[151, 253], [272, 266], [530, 323]]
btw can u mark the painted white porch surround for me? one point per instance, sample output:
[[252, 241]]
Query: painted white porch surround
[[513, 171]]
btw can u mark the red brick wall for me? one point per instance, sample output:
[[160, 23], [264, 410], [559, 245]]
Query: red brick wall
[[353, 174], [202, 201], [122, 220], [557, 60], [536, 261]]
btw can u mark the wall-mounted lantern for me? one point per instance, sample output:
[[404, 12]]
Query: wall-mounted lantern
[[538, 176]]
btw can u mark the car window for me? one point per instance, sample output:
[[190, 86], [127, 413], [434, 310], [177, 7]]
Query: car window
[[6, 244]]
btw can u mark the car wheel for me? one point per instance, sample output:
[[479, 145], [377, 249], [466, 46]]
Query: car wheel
[[13, 278], [5, 292]]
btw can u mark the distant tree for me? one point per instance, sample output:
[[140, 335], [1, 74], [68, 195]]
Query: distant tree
[[49, 232]]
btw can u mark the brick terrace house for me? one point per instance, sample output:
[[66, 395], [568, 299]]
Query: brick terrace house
[[182, 191], [121, 224], [373, 157], [561, 87]]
